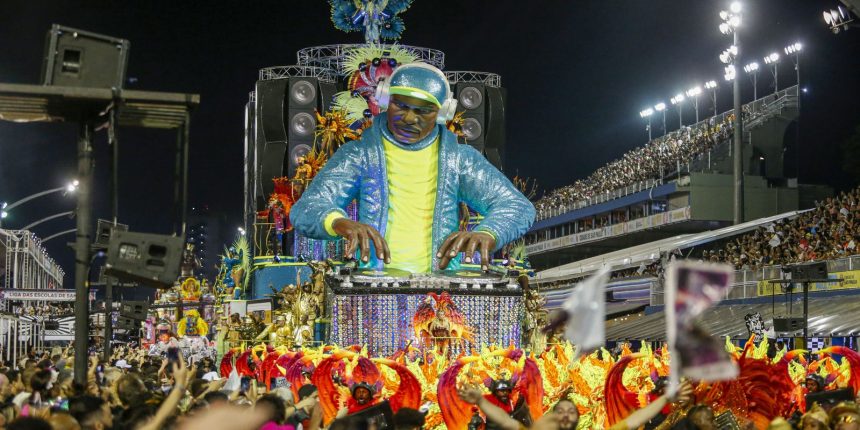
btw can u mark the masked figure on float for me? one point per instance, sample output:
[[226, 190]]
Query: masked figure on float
[[164, 339], [192, 333], [409, 174]]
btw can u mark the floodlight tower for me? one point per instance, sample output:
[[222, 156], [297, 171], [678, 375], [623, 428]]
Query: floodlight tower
[[647, 114], [731, 25]]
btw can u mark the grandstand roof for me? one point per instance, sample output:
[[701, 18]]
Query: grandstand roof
[[648, 252], [827, 316]]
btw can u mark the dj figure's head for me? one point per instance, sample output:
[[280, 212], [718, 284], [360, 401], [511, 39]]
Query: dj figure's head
[[417, 96]]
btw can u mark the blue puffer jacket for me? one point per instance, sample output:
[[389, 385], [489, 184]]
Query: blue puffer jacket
[[357, 171]]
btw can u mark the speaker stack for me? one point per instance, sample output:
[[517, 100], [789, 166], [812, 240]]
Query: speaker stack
[[483, 107], [284, 114]]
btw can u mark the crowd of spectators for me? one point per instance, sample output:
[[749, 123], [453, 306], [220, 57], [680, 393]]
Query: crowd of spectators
[[44, 309], [136, 391], [657, 158], [827, 232]]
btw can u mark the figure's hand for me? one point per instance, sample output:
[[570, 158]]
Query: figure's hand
[[470, 395], [359, 236], [468, 241]]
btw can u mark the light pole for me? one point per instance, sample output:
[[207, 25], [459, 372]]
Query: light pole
[[48, 218], [56, 235], [773, 59], [752, 69], [731, 25], [712, 85], [647, 114], [795, 49], [677, 101], [71, 187], [661, 107], [694, 94]]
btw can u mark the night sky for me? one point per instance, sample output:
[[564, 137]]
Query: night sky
[[577, 74]]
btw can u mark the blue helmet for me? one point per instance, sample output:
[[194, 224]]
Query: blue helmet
[[421, 81]]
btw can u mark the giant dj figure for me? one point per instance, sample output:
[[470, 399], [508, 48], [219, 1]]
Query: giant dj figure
[[409, 175]]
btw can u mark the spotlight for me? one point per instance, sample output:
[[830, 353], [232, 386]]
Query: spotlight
[[659, 107], [711, 84], [646, 113], [751, 67], [772, 58]]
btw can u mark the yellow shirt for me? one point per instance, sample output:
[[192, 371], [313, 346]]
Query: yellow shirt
[[411, 201]]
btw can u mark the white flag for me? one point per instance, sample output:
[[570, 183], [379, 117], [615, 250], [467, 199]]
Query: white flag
[[774, 241], [586, 310]]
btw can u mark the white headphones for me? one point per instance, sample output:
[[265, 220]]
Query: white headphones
[[449, 105]]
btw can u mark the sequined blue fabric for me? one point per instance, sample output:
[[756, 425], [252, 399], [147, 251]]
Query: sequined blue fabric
[[357, 171]]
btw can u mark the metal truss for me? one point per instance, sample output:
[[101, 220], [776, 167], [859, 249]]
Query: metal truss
[[488, 79], [280, 72], [332, 56]]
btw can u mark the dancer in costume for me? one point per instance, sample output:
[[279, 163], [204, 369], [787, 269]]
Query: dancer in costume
[[278, 215], [409, 175]]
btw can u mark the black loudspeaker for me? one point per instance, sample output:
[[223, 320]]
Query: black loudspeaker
[[483, 119], [816, 271], [305, 97], [150, 259], [785, 325], [134, 310], [77, 58], [285, 125], [103, 231], [123, 323]]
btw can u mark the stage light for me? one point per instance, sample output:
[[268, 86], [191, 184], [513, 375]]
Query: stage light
[[735, 7], [793, 48], [751, 67], [711, 84], [677, 99], [646, 113], [659, 107], [695, 91], [772, 58]]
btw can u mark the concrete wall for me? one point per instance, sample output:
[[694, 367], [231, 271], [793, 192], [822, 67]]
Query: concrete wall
[[712, 197]]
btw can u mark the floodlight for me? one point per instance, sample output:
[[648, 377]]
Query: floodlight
[[772, 58], [711, 84], [3, 205], [828, 19], [793, 48], [726, 29], [646, 113], [4, 214], [735, 7], [751, 67], [677, 99], [660, 106], [724, 15], [735, 21], [730, 72], [695, 91]]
